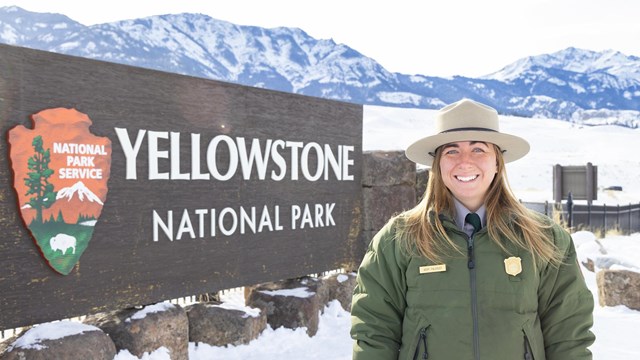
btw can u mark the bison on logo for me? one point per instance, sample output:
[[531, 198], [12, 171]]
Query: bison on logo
[[60, 176]]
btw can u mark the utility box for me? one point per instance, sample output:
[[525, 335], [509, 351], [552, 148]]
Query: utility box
[[580, 181]]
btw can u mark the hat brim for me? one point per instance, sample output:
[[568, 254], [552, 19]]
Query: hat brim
[[513, 147]]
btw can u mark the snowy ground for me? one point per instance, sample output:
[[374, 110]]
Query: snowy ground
[[552, 142], [611, 148], [615, 327]]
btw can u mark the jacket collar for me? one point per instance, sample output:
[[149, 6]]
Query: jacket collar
[[462, 211]]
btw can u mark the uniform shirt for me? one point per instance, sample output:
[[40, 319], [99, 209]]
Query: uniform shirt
[[461, 214]]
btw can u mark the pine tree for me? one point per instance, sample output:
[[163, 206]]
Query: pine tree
[[38, 179], [60, 218]]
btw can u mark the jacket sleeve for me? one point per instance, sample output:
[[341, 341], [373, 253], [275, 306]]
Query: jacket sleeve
[[378, 304], [565, 305]]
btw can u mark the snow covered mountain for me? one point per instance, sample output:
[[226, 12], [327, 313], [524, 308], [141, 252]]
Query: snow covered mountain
[[572, 84], [75, 201], [79, 190]]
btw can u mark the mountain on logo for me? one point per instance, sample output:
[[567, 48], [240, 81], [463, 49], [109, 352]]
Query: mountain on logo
[[71, 201], [74, 201], [80, 190]]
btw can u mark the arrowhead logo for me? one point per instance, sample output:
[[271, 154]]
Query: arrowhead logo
[[60, 175]]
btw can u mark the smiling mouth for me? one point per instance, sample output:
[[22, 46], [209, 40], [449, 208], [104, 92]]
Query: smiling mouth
[[466, 178]]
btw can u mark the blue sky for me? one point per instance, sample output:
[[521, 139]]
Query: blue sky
[[438, 38]]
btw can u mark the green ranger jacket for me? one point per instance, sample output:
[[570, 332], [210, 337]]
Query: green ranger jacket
[[469, 307]]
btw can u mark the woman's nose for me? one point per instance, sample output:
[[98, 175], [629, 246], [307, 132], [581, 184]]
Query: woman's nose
[[465, 157]]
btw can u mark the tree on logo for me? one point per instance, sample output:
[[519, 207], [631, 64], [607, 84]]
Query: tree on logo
[[38, 180]]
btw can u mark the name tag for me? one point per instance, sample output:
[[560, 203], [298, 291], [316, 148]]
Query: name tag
[[433, 269]]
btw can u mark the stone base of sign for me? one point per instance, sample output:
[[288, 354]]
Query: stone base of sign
[[86, 345], [145, 334], [387, 168], [619, 287], [339, 287], [422, 179], [217, 326], [390, 185], [383, 202], [289, 303], [298, 302]]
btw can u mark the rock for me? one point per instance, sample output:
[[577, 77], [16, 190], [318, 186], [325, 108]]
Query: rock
[[61, 340], [145, 330], [422, 180], [382, 202], [619, 287], [290, 303], [338, 287], [214, 324], [387, 168], [389, 186]]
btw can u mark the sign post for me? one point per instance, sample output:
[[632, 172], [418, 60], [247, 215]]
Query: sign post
[[580, 181]]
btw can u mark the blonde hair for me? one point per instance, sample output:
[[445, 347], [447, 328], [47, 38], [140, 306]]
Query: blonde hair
[[422, 231]]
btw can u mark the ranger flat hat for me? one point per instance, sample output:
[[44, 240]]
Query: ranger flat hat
[[467, 120]]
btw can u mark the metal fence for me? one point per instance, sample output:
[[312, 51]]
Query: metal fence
[[622, 218]]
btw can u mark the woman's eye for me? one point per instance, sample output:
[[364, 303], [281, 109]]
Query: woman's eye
[[478, 150], [451, 152]]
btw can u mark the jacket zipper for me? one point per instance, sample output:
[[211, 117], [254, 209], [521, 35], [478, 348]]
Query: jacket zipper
[[528, 354], [422, 339], [474, 298]]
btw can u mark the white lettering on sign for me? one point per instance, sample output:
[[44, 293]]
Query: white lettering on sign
[[256, 158], [82, 149], [208, 223], [80, 160], [75, 173], [319, 215]]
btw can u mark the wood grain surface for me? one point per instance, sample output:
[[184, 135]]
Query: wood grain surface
[[123, 266]]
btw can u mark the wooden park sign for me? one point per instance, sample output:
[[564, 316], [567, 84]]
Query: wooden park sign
[[122, 186]]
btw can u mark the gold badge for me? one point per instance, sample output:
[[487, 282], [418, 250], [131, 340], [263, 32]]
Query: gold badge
[[433, 268], [513, 266]]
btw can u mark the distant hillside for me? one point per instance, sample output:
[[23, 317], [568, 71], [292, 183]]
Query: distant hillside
[[577, 85]]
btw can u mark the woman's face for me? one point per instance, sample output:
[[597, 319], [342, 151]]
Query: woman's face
[[467, 169]]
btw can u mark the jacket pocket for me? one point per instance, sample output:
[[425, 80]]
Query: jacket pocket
[[421, 344], [528, 354]]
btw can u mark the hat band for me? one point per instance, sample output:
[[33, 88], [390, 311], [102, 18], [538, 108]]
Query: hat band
[[467, 129], [433, 154]]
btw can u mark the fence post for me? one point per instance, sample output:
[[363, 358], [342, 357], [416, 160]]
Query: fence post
[[546, 207], [557, 183], [604, 219], [629, 233], [638, 216], [570, 209], [618, 216], [589, 215]]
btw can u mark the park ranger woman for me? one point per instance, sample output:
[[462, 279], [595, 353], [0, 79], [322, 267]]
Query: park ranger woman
[[470, 273]]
